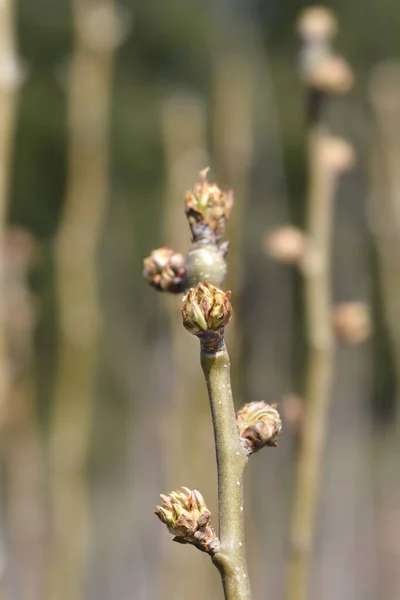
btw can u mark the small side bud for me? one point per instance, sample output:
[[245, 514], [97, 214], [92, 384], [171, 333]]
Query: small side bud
[[259, 424], [331, 75], [352, 322], [337, 154], [317, 24], [187, 517], [164, 269], [286, 245], [207, 209]]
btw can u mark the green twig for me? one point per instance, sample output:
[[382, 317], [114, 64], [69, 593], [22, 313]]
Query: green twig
[[231, 461]]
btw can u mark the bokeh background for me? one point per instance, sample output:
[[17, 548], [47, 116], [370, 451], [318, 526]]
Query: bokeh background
[[106, 118]]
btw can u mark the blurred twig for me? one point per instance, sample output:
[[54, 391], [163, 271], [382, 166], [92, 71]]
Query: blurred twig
[[89, 91], [10, 78], [323, 74], [319, 367], [384, 214], [23, 451]]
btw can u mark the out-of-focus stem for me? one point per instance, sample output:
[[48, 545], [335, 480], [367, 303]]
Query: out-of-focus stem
[[384, 214], [23, 459], [317, 282], [10, 78], [385, 202], [89, 90], [231, 462]]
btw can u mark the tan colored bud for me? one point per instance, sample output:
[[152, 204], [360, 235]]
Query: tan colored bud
[[207, 209], [317, 23], [164, 269], [286, 245], [206, 308], [187, 517], [352, 322], [331, 75], [259, 424], [337, 154]]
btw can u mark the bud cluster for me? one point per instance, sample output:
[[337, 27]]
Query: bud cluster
[[164, 269], [187, 517], [259, 424], [207, 210]]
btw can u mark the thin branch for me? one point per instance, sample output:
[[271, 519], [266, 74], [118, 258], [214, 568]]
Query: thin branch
[[231, 462], [319, 369]]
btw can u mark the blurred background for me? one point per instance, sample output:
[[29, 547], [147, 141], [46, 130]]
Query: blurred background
[[108, 111]]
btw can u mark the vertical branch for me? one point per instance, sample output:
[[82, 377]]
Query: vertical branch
[[324, 74], [10, 78], [384, 213], [89, 93], [317, 282], [23, 452], [231, 462], [385, 201]]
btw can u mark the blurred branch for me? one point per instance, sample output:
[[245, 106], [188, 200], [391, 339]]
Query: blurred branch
[[319, 367], [10, 78], [384, 220], [384, 208], [23, 450], [89, 91], [327, 158]]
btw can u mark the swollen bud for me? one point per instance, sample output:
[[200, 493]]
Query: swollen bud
[[259, 424], [187, 517]]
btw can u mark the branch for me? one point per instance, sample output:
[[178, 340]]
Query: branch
[[231, 462]]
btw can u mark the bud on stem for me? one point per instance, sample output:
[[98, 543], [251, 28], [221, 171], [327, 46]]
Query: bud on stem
[[164, 269], [187, 517], [259, 424], [207, 210], [206, 311]]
